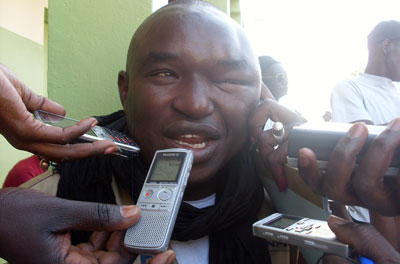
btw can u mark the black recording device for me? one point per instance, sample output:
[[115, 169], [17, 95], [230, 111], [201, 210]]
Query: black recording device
[[322, 138]]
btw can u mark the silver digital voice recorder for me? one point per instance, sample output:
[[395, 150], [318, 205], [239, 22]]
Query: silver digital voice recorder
[[301, 232], [160, 200]]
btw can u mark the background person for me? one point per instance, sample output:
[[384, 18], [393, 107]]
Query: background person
[[373, 97], [273, 76]]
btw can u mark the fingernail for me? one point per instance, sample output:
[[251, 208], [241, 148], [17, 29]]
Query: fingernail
[[110, 150], [282, 184], [334, 220], [303, 161], [356, 130], [95, 122], [281, 180], [129, 211], [171, 256], [395, 124]]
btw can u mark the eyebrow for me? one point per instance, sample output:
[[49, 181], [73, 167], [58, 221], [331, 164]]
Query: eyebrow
[[159, 57], [233, 64]]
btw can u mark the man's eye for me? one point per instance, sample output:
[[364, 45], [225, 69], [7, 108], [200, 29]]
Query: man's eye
[[236, 82], [163, 74]]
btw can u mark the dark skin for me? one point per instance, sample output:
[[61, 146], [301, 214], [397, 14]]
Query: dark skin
[[23, 131], [34, 226], [364, 187], [35, 229], [191, 83]]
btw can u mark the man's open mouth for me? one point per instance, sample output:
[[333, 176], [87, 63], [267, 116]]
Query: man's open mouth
[[192, 141]]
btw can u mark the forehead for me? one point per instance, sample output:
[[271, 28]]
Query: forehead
[[204, 34]]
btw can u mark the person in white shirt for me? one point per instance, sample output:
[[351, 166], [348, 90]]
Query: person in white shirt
[[372, 97]]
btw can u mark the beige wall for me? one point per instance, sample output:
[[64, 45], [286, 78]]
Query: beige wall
[[21, 49], [23, 17]]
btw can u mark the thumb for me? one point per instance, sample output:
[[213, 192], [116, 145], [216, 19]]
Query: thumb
[[364, 238], [98, 216]]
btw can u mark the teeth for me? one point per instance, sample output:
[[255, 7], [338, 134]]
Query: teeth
[[195, 146], [190, 136]]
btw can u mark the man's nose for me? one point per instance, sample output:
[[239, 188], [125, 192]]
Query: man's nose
[[194, 99]]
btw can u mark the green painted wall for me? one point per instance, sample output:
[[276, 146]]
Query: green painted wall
[[26, 59], [88, 43], [224, 5]]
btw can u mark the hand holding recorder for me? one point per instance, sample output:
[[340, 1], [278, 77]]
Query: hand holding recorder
[[23, 131], [272, 149], [364, 186]]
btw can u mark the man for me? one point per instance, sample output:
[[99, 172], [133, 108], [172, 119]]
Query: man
[[274, 76], [191, 81], [372, 97]]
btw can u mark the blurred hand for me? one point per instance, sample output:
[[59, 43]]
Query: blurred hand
[[364, 187], [365, 239], [107, 248], [35, 227], [23, 131], [273, 158]]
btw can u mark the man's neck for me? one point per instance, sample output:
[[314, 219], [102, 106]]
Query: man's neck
[[200, 190]]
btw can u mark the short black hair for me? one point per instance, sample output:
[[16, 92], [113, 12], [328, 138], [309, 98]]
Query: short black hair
[[384, 30], [266, 62]]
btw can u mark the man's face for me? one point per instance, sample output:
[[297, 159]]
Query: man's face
[[192, 85], [276, 80]]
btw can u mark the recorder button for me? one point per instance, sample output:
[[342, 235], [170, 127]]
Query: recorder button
[[283, 237], [309, 243], [268, 234], [147, 193], [154, 206], [164, 194]]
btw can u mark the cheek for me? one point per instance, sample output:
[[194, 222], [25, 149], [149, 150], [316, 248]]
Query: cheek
[[236, 117]]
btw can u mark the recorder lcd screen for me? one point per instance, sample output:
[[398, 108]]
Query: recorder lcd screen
[[283, 222], [167, 168]]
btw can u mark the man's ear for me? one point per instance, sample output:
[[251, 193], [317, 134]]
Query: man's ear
[[123, 86], [386, 46]]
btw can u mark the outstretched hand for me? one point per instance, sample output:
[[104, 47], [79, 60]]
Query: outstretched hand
[[272, 157], [366, 185], [35, 228], [364, 239], [23, 131]]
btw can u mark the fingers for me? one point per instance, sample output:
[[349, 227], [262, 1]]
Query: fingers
[[269, 109], [336, 184], [53, 134], [309, 170], [66, 152], [364, 239], [369, 181], [164, 258], [95, 216]]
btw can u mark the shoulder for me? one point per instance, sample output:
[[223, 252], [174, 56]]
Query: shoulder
[[46, 182], [346, 86], [23, 171]]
